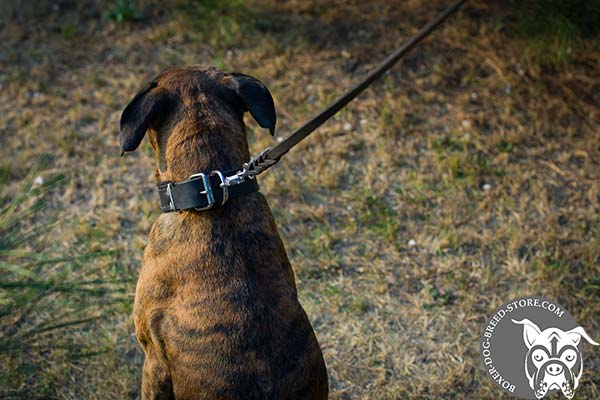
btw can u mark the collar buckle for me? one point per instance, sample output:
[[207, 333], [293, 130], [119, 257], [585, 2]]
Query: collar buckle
[[210, 198], [204, 191]]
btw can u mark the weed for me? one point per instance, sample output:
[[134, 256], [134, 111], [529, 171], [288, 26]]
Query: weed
[[505, 147], [440, 298], [123, 11]]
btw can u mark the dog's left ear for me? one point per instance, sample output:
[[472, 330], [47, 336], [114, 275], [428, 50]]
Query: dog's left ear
[[257, 99], [146, 110], [577, 333]]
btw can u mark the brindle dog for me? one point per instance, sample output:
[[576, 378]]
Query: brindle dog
[[216, 309]]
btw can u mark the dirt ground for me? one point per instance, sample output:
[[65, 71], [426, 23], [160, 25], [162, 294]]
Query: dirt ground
[[466, 177]]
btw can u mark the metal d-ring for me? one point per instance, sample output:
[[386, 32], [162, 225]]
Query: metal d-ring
[[223, 185], [170, 193]]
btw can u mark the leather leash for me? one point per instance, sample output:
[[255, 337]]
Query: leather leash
[[283, 147], [200, 190]]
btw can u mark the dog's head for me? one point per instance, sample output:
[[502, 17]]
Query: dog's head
[[553, 360], [194, 119]]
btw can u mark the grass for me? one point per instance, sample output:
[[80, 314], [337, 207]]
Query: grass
[[468, 176], [555, 29], [123, 11], [223, 23], [48, 307]]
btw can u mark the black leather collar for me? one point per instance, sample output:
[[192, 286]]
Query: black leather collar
[[202, 191]]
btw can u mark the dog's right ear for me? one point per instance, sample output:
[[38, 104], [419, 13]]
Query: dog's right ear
[[530, 331], [146, 110], [256, 98]]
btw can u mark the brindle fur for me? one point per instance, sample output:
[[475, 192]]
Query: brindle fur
[[216, 309]]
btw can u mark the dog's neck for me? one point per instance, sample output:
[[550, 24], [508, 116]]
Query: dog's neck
[[202, 144]]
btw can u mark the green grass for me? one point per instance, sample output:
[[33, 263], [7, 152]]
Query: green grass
[[223, 23], [554, 30], [46, 302], [123, 11]]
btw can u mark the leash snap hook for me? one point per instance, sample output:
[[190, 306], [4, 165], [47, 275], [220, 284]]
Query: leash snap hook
[[236, 179]]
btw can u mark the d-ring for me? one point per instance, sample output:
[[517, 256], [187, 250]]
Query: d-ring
[[223, 186]]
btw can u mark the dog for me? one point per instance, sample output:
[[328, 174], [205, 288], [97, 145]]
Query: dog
[[553, 360], [216, 309]]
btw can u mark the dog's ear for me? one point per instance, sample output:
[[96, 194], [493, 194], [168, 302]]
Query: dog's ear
[[530, 331], [577, 333], [257, 99], [146, 110]]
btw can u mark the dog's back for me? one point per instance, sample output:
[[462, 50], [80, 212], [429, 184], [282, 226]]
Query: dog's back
[[216, 300], [216, 308]]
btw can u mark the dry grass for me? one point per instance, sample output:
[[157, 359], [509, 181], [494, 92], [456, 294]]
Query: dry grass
[[491, 166]]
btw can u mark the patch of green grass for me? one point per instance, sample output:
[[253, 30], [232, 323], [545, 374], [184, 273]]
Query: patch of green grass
[[333, 291], [571, 273], [392, 116], [440, 298], [321, 241], [223, 23], [123, 11], [359, 305], [448, 143], [69, 29], [4, 174], [45, 302], [379, 218], [555, 29], [594, 285], [466, 167], [505, 147], [325, 262]]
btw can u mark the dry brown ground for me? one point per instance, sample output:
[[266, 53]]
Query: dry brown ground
[[411, 159]]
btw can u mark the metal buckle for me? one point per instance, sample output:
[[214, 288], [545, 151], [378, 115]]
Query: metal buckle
[[223, 185], [207, 190]]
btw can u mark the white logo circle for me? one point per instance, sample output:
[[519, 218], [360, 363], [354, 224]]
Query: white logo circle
[[531, 347]]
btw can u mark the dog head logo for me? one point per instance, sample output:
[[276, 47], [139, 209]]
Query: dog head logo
[[553, 361]]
